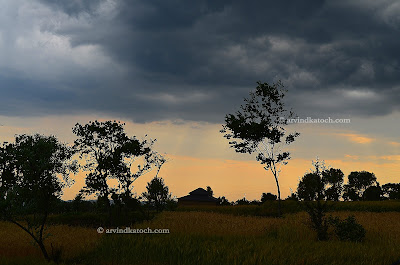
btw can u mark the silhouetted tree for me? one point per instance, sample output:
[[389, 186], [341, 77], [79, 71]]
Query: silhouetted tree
[[268, 197], [242, 201], [323, 184], [312, 188], [30, 184], [373, 193], [210, 191], [77, 202], [223, 201], [157, 193], [255, 202], [358, 182], [391, 190], [259, 127], [111, 154], [334, 179], [350, 193], [292, 197]]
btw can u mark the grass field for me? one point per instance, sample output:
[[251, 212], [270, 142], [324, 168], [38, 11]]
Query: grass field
[[199, 237], [16, 246]]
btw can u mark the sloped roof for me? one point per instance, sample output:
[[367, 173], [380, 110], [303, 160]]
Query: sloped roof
[[199, 191], [199, 195]]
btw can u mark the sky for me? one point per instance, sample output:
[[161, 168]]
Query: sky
[[174, 69]]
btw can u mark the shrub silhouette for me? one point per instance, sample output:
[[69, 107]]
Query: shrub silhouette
[[268, 197], [348, 229]]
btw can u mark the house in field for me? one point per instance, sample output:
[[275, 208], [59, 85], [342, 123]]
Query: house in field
[[198, 197]]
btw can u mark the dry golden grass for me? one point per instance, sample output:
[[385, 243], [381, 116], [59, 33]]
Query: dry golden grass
[[14, 242], [207, 237], [379, 226], [201, 223], [204, 237]]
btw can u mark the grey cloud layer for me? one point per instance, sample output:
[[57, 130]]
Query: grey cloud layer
[[152, 60]]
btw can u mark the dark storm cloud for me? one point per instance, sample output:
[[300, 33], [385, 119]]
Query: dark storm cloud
[[73, 7], [197, 60]]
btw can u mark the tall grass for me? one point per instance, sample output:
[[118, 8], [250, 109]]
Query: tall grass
[[198, 237], [17, 247], [214, 238]]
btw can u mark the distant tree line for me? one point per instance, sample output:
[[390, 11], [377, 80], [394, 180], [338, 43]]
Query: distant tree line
[[328, 184], [324, 184], [222, 201]]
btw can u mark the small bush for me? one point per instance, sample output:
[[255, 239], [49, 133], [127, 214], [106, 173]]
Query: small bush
[[318, 221], [348, 229]]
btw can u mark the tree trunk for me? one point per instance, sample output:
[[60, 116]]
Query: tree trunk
[[38, 241], [279, 196], [43, 249], [275, 173]]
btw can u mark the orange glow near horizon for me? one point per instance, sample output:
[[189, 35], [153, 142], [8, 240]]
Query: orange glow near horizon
[[200, 156], [237, 179]]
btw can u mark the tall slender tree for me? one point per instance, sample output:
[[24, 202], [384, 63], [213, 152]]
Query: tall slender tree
[[259, 127]]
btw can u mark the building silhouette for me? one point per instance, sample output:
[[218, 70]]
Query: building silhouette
[[197, 197]]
